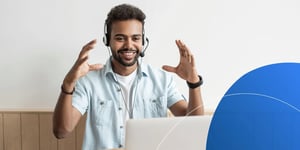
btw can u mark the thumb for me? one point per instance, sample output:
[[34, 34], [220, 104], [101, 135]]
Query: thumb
[[95, 67], [169, 68]]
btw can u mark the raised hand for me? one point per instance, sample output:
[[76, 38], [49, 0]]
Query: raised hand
[[186, 69], [81, 66]]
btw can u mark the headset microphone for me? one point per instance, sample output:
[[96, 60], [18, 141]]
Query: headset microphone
[[142, 54]]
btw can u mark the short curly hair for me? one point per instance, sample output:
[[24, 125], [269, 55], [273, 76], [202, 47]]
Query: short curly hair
[[120, 13]]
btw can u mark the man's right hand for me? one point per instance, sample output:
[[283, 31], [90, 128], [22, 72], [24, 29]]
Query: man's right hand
[[81, 67]]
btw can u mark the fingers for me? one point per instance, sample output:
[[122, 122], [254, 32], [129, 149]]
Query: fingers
[[192, 60], [82, 60], [184, 51], [95, 67], [87, 48], [169, 68]]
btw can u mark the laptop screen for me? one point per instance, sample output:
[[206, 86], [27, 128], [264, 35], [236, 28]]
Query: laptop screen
[[172, 133]]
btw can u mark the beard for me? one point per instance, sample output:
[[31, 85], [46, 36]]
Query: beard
[[119, 59]]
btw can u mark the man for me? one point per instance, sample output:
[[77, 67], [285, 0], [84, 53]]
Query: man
[[124, 87]]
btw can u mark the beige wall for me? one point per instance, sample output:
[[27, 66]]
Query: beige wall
[[33, 131]]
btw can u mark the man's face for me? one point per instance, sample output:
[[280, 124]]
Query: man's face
[[126, 41]]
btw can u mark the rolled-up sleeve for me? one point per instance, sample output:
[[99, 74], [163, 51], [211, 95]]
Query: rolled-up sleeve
[[80, 99], [173, 93]]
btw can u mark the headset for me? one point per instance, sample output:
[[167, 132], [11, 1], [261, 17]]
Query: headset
[[106, 39]]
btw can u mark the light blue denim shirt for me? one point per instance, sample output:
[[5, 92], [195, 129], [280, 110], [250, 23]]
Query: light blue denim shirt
[[98, 95]]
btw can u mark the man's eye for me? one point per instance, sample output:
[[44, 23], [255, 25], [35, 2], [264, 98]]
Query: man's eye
[[136, 38], [119, 38]]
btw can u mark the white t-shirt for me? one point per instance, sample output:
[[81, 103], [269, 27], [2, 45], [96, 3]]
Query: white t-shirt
[[125, 83]]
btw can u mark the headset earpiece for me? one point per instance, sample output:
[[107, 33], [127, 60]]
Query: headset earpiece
[[143, 40], [106, 36], [105, 40], [142, 54]]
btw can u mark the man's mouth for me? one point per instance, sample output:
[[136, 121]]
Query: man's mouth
[[128, 54]]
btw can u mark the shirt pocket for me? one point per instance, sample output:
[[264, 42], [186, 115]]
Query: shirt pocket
[[158, 107], [104, 111]]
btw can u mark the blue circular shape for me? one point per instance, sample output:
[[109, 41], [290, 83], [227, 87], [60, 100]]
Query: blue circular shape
[[260, 111]]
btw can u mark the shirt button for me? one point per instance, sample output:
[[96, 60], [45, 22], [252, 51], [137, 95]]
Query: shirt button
[[120, 145], [121, 127], [120, 108]]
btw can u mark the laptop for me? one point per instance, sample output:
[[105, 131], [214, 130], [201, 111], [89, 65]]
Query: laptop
[[172, 133]]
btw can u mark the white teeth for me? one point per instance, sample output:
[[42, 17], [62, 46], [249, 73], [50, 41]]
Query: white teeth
[[128, 53]]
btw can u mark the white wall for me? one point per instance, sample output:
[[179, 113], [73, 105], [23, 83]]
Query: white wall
[[40, 40]]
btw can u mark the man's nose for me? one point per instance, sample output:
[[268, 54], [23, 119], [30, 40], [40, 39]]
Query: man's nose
[[129, 44]]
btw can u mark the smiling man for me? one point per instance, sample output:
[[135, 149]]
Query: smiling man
[[124, 87]]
